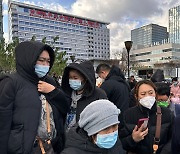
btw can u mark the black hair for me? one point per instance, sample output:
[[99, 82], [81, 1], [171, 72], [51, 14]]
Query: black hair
[[102, 67], [175, 79], [136, 88], [162, 88]]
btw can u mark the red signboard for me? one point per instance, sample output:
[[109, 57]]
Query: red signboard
[[64, 18]]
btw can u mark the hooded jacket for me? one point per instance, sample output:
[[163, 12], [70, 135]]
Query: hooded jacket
[[91, 92], [158, 76], [131, 117], [20, 106], [79, 143], [117, 89]]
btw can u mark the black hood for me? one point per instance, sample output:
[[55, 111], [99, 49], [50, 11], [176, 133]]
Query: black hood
[[87, 69], [78, 138], [158, 76], [115, 72], [27, 54]]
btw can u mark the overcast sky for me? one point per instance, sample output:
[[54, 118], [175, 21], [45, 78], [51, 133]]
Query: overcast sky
[[123, 15]]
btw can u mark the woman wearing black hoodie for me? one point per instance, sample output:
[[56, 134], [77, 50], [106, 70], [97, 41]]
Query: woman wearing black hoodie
[[25, 98], [79, 83]]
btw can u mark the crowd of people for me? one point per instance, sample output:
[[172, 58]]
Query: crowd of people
[[40, 116]]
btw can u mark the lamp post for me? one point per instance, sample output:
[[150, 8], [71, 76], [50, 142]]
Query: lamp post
[[128, 45]]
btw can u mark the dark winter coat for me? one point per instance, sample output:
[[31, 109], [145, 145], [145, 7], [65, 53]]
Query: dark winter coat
[[175, 146], [79, 143], [20, 106], [131, 117], [91, 92], [117, 89], [158, 76]]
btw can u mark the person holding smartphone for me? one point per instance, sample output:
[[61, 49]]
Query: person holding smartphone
[[138, 132]]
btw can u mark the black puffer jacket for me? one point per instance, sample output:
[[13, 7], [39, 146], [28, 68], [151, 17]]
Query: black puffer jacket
[[79, 143], [131, 117], [91, 92], [117, 89], [20, 106]]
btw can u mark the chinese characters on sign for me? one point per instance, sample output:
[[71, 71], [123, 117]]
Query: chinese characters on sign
[[64, 18]]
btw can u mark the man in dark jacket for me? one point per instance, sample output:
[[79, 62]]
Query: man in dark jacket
[[25, 98], [175, 145], [158, 76], [115, 86], [79, 83]]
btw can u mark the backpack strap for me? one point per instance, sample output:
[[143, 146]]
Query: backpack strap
[[158, 130]]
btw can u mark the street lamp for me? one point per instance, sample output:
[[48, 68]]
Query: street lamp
[[128, 45]]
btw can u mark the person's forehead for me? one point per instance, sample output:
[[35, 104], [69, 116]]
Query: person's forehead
[[44, 54], [145, 87], [162, 97]]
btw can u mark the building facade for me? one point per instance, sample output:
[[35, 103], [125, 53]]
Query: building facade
[[81, 38], [149, 35], [165, 57], [174, 24], [1, 20]]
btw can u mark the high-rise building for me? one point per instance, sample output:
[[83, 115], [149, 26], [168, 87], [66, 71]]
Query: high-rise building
[[149, 35], [174, 24], [81, 37], [1, 20]]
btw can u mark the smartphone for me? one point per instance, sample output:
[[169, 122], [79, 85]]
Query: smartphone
[[143, 121]]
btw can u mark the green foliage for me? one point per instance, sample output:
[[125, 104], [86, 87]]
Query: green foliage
[[7, 55], [60, 61]]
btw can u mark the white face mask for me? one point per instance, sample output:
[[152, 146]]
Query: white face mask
[[147, 101]]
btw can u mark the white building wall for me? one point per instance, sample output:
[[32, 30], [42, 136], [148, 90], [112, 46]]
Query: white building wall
[[81, 37]]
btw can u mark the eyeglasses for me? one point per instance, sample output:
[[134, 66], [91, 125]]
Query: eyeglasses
[[42, 60]]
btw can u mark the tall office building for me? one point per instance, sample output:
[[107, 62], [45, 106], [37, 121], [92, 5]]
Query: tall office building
[[1, 20], [81, 37], [149, 35], [174, 24]]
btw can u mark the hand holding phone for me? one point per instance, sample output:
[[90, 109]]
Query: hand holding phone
[[143, 121]]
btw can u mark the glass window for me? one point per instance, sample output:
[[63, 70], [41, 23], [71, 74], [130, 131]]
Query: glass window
[[31, 18], [26, 10]]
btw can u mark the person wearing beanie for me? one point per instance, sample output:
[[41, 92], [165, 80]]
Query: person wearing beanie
[[79, 83], [96, 132]]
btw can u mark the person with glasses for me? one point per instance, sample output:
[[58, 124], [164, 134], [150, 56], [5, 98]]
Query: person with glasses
[[33, 107]]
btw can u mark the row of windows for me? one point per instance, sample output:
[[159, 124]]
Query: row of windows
[[50, 27], [59, 23], [51, 22], [46, 31], [141, 54]]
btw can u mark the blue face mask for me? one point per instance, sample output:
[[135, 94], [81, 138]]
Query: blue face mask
[[107, 141], [41, 70], [75, 84]]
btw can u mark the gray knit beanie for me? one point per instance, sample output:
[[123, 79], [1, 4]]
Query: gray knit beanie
[[98, 115]]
